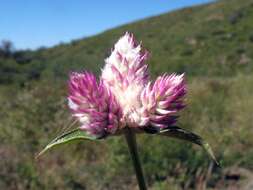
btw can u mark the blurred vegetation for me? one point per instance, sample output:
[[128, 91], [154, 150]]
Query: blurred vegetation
[[212, 44]]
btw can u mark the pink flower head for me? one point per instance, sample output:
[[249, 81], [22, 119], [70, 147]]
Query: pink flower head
[[93, 105], [162, 100], [126, 75], [124, 96]]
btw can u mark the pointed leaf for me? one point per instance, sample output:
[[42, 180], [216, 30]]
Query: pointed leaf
[[73, 135], [179, 133]]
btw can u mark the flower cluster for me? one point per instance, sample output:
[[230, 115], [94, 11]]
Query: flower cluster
[[124, 96]]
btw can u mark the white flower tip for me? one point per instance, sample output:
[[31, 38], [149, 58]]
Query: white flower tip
[[72, 105]]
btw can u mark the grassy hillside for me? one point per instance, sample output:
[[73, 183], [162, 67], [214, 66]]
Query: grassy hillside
[[212, 44]]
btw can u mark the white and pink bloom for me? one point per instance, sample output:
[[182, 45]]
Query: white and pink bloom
[[124, 96], [124, 101], [93, 104], [162, 100]]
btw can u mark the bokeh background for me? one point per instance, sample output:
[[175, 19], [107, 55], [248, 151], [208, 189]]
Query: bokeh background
[[42, 42]]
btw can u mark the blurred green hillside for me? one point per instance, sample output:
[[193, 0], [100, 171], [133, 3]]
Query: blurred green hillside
[[212, 44]]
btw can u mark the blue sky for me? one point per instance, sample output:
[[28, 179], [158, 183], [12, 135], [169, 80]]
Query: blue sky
[[35, 23]]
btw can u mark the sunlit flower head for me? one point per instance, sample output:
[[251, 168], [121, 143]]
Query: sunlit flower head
[[126, 74], [93, 104], [124, 96], [162, 100]]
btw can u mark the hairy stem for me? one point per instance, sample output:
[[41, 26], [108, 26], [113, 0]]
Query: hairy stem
[[132, 146]]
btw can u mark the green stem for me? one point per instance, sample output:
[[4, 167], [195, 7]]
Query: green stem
[[132, 146]]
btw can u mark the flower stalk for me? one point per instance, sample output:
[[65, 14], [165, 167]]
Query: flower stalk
[[132, 146]]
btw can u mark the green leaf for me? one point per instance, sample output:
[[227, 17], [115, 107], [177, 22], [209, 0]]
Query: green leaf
[[68, 137], [179, 133]]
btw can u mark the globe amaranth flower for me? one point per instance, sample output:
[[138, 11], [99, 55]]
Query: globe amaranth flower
[[93, 104], [162, 100], [126, 75], [124, 96]]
